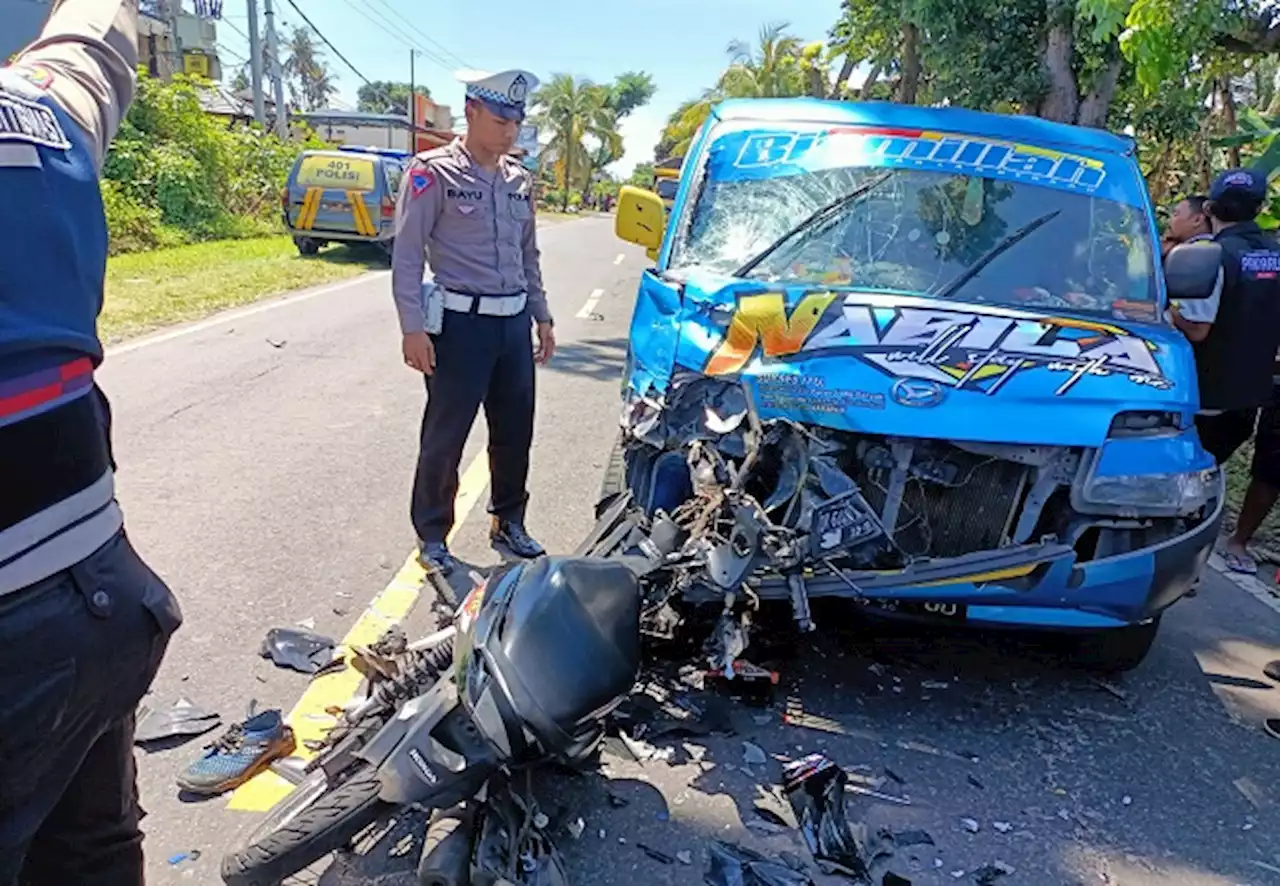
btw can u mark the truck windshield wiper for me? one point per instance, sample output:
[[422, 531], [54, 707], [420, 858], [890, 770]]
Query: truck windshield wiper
[[826, 212], [992, 254]]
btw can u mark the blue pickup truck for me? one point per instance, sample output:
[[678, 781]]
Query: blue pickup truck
[[962, 317]]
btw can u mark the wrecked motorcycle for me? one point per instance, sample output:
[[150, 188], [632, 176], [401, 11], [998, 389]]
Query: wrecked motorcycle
[[538, 656]]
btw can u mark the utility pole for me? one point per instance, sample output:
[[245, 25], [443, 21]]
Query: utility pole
[[413, 108], [175, 40], [255, 64], [273, 49]]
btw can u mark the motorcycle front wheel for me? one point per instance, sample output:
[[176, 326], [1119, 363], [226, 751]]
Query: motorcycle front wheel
[[305, 827]]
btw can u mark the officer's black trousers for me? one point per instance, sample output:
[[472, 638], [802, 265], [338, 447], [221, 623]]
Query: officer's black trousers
[[77, 653], [479, 359]]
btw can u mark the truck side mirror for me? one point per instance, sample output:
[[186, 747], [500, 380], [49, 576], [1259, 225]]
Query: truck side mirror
[[1191, 270]]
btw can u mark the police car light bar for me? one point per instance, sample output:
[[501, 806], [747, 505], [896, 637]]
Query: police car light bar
[[364, 149]]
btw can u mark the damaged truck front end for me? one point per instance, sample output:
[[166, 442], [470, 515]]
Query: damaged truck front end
[[925, 372]]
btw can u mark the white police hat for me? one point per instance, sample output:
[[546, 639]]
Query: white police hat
[[504, 93]]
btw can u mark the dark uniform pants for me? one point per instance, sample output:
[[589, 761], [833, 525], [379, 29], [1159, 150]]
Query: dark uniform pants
[[1222, 434], [77, 653], [479, 359]]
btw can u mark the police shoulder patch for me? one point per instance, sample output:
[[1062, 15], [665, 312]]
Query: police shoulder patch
[[25, 120], [420, 180]]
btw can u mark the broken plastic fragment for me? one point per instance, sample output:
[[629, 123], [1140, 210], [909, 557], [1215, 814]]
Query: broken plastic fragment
[[753, 755], [732, 865], [815, 787], [912, 838], [971, 825], [684, 856], [1002, 826], [300, 650], [182, 719]]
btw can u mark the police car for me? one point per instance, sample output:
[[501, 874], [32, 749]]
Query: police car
[[347, 194]]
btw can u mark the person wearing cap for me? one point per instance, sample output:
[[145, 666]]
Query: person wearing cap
[[467, 210], [84, 623], [1236, 337]]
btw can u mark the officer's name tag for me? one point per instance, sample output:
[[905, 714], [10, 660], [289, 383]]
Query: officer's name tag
[[31, 122]]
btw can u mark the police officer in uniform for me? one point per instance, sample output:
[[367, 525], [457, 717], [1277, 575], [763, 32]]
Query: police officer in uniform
[[468, 209], [84, 623]]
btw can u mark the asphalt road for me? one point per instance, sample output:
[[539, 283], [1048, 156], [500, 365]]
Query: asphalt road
[[266, 460]]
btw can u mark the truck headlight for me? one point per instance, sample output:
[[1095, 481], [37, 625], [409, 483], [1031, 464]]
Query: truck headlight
[[1154, 493]]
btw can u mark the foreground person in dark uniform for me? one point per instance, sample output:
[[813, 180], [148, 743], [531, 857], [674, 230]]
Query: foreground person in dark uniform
[[84, 623], [468, 207]]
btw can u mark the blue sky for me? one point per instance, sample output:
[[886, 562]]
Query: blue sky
[[680, 42]]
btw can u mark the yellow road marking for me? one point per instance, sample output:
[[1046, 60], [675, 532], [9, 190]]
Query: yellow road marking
[[308, 718]]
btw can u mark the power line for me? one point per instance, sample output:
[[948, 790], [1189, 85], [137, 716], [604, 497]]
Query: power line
[[382, 24], [328, 43], [449, 53]]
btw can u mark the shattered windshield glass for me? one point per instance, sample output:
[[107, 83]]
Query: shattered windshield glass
[[920, 230]]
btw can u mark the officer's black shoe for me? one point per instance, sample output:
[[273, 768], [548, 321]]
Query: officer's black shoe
[[435, 556], [509, 537]]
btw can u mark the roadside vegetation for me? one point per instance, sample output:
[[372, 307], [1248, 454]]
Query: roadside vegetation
[[176, 175]]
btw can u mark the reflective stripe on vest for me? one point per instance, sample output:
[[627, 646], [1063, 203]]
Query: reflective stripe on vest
[[23, 397]]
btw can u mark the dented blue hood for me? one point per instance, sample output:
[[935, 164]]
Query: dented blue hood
[[891, 364]]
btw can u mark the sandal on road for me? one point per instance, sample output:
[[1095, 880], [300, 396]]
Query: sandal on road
[[1242, 563]]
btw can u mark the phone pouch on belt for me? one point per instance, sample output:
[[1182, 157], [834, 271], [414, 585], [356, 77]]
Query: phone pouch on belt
[[433, 302]]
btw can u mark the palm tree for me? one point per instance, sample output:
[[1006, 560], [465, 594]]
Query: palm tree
[[767, 70], [778, 65], [310, 83], [571, 109]]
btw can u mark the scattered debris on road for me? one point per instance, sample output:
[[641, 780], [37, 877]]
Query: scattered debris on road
[[989, 874]]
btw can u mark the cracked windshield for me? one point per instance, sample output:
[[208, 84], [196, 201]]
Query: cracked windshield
[[915, 231], [718, 443]]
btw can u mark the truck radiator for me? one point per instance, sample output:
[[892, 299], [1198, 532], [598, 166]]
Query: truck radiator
[[939, 520]]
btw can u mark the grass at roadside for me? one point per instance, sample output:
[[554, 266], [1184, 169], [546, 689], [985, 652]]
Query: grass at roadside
[[148, 290]]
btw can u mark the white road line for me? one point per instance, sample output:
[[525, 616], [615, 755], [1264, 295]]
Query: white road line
[[620, 259], [590, 306], [240, 313]]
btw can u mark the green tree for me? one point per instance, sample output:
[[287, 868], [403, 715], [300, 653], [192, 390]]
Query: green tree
[[629, 91], [306, 73], [387, 97], [641, 176]]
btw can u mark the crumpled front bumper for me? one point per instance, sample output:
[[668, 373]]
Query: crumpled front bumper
[[1031, 586]]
